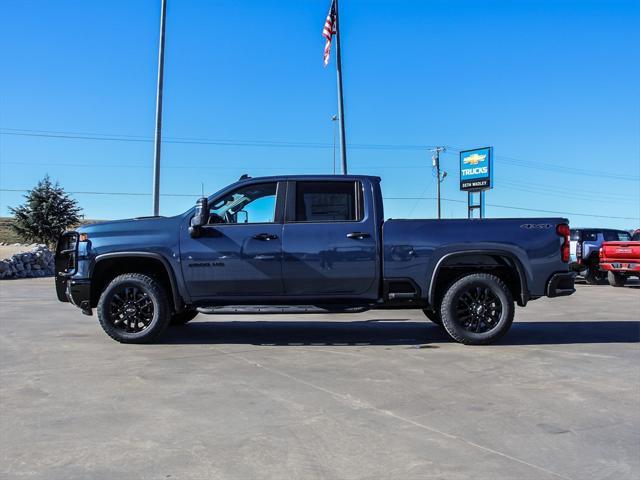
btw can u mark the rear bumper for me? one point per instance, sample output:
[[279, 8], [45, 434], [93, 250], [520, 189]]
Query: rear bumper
[[561, 284], [622, 266]]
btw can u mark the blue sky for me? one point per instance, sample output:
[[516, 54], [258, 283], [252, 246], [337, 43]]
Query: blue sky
[[551, 85]]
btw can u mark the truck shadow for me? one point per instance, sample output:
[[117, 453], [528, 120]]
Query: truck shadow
[[390, 332]]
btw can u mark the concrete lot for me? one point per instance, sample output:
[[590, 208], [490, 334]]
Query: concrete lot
[[379, 395]]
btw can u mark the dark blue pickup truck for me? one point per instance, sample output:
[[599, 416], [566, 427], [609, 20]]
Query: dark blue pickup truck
[[309, 244]]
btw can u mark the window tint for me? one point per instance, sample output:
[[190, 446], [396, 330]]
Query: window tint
[[636, 236], [575, 234], [589, 236], [616, 236], [326, 201], [250, 204]]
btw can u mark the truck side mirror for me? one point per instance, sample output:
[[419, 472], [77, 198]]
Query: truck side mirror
[[201, 217]]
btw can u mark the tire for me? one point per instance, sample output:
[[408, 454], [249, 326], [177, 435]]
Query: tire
[[616, 279], [134, 308], [434, 316], [477, 309], [182, 318], [595, 276]]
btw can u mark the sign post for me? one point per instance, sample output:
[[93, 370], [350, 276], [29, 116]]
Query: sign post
[[476, 176]]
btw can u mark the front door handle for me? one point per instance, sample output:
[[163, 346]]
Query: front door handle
[[265, 236], [358, 235]]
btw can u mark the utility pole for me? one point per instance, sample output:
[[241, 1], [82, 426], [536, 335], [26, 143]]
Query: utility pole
[[158, 135], [439, 177]]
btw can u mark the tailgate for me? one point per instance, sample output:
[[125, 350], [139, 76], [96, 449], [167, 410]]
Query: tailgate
[[621, 251]]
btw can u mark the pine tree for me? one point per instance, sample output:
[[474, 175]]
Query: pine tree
[[47, 212]]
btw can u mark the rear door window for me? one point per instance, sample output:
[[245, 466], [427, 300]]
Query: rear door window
[[328, 202]]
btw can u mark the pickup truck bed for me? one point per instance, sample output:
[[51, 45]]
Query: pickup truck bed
[[621, 259], [305, 244]]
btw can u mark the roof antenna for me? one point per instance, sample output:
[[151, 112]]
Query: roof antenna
[[244, 176]]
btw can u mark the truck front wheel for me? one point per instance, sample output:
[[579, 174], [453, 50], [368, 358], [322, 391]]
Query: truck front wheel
[[133, 309], [477, 309]]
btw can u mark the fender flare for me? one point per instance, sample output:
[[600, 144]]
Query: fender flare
[[178, 301], [524, 290]]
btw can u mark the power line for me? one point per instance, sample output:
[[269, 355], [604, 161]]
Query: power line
[[197, 167], [128, 194], [509, 160], [197, 141], [517, 208], [138, 194]]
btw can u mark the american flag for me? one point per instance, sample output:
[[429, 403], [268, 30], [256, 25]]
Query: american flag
[[329, 30]]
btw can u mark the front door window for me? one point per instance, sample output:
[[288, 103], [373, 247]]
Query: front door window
[[250, 204]]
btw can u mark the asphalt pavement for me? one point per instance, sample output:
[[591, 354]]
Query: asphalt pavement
[[377, 395]]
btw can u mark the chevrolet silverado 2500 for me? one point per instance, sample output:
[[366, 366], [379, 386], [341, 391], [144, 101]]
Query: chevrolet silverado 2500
[[309, 244]]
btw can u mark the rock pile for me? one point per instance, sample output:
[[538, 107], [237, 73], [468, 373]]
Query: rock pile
[[38, 262]]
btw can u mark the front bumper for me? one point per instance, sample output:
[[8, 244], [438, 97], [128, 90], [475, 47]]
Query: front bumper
[[75, 291], [561, 284]]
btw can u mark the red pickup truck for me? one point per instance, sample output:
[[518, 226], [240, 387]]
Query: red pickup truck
[[621, 259]]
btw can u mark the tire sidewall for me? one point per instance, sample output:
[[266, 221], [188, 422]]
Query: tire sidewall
[[616, 279], [155, 292], [450, 300]]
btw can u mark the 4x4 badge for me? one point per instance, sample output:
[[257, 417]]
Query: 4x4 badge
[[530, 226]]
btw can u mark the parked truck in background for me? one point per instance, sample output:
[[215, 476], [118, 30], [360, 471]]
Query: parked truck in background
[[621, 259], [309, 244], [585, 251]]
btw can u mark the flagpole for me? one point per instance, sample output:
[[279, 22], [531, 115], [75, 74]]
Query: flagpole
[[343, 146]]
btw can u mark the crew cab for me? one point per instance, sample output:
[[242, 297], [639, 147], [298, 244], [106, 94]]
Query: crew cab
[[309, 244], [621, 258]]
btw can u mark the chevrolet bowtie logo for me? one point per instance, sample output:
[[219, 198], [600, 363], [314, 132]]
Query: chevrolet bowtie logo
[[474, 159]]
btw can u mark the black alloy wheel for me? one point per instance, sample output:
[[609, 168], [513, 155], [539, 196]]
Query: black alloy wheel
[[133, 308], [477, 309], [130, 309]]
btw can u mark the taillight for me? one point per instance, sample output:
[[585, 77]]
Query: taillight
[[601, 254], [563, 230]]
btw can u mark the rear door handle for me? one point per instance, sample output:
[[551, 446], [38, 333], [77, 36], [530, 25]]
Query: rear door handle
[[358, 235], [265, 236]]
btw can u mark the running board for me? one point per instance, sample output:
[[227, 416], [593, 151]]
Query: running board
[[273, 309]]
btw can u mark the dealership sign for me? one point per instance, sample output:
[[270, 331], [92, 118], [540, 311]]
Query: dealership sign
[[476, 169]]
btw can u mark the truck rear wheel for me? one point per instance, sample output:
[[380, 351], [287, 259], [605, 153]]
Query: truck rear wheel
[[433, 315], [477, 309], [616, 279], [133, 308]]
